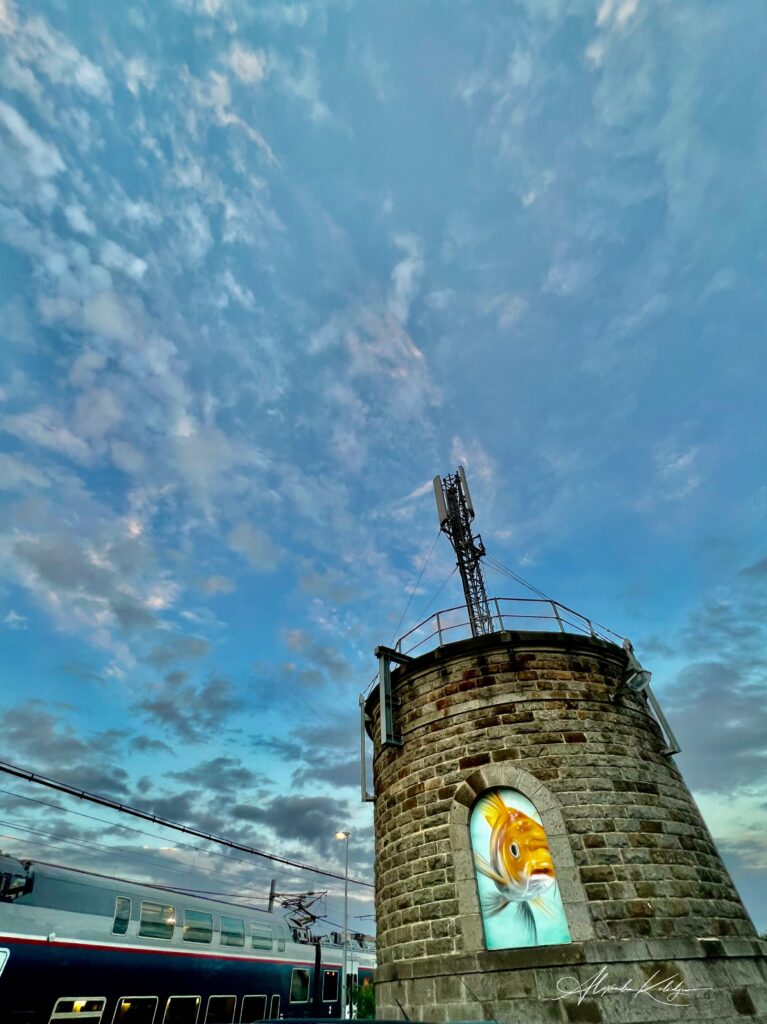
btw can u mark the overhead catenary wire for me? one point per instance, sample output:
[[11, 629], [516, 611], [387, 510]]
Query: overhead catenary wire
[[62, 787], [228, 858]]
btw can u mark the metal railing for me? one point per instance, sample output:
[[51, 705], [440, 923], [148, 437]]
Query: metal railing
[[451, 624]]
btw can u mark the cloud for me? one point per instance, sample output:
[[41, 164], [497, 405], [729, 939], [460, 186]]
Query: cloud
[[224, 776], [216, 585], [78, 219], [405, 276], [17, 475], [255, 545], [327, 659], [53, 55], [42, 158], [192, 712], [114, 257], [14, 621], [44, 742], [176, 647], [215, 94], [310, 820], [715, 710], [105, 314], [44, 426], [139, 73], [250, 66], [97, 412]]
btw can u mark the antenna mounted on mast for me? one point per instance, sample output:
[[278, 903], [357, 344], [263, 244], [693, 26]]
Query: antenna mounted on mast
[[456, 512]]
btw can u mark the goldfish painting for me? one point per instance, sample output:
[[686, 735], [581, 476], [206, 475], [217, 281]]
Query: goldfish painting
[[519, 865]]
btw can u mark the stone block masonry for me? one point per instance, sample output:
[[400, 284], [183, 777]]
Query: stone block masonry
[[643, 886]]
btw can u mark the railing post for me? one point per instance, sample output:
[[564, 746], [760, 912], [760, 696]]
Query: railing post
[[591, 629], [498, 613], [439, 629], [556, 615]]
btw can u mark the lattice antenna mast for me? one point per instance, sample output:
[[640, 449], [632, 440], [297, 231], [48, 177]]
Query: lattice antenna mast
[[456, 513]]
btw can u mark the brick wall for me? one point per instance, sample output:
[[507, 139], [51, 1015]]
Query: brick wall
[[634, 859]]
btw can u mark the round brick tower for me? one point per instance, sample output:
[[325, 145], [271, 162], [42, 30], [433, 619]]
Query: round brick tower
[[650, 909]]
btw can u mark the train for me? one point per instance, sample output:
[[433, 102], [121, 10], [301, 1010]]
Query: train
[[86, 948]]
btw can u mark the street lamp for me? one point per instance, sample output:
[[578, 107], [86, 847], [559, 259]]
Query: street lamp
[[345, 837]]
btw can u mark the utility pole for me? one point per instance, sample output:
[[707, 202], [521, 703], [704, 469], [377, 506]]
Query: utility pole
[[456, 513], [272, 893]]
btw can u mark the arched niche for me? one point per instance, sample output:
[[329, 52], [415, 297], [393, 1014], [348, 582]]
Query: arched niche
[[577, 916]]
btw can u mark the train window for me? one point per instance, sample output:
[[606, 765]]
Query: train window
[[299, 985], [220, 1010], [253, 1008], [135, 1010], [274, 1008], [122, 915], [261, 936], [85, 1009], [329, 986], [182, 1010], [157, 920], [198, 926], [232, 931]]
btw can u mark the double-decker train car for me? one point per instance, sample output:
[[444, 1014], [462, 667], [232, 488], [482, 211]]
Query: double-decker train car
[[81, 947]]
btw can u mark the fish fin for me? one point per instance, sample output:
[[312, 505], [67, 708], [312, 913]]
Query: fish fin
[[541, 904], [485, 868], [493, 903], [492, 807], [526, 916]]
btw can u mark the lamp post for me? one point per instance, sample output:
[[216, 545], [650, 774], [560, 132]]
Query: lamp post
[[345, 837]]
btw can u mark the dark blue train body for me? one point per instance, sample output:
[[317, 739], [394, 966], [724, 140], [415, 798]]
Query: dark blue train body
[[76, 946]]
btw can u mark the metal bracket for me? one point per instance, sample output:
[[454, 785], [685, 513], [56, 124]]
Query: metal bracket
[[386, 655], [637, 681], [364, 720]]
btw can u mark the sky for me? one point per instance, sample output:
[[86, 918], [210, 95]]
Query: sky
[[265, 270]]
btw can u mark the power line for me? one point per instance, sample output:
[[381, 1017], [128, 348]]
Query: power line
[[499, 567], [129, 828], [428, 606], [415, 587], [62, 787]]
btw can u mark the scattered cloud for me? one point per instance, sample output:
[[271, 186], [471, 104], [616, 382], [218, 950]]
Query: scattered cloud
[[250, 66]]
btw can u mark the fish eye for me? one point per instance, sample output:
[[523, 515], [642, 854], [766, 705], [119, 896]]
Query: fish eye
[[514, 849]]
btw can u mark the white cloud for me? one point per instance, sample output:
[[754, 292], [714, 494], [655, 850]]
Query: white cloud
[[255, 545], [302, 84], [55, 57], [115, 257], [15, 621], [405, 276], [474, 459], [678, 470], [78, 219], [567, 276], [15, 474], [506, 308], [104, 314], [42, 158], [249, 65], [44, 426], [96, 413], [138, 73], [215, 95]]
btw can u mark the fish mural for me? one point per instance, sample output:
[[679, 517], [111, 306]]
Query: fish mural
[[520, 900]]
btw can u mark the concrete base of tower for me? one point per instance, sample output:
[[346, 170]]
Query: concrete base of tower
[[634, 982]]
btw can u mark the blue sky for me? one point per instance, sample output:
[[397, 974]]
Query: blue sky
[[265, 270]]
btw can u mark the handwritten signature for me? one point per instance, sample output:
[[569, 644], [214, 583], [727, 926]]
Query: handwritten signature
[[663, 990]]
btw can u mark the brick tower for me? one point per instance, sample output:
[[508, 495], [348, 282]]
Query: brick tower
[[538, 855]]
